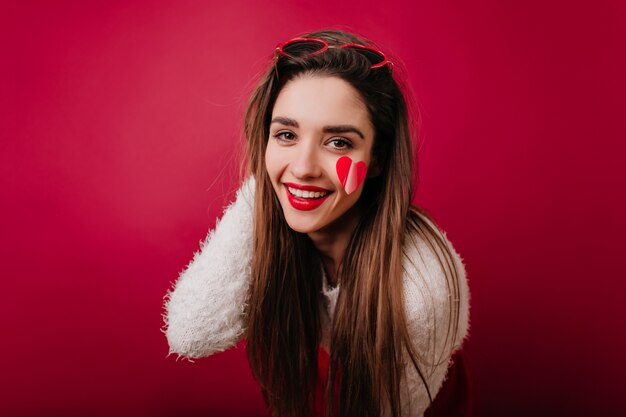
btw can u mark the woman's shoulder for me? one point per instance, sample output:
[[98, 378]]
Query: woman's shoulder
[[436, 291]]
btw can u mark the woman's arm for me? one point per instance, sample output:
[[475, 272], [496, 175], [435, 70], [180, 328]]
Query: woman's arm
[[203, 312], [428, 296]]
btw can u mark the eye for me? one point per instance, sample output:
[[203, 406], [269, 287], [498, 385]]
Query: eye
[[285, 135], [341, 144]]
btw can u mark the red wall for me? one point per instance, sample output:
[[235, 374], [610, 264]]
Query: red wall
[[119, 126]]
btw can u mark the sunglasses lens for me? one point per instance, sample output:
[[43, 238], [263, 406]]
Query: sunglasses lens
[[372, 56], [301, 48]]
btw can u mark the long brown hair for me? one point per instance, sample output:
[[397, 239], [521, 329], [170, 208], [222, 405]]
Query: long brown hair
[[369, 330]]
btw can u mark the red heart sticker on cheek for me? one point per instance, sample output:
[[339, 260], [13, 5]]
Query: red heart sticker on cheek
[[351, 174]]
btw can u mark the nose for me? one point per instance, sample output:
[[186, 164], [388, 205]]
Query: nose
[[305, 163]]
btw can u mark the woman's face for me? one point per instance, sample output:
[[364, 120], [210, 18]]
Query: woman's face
[[315, 121]]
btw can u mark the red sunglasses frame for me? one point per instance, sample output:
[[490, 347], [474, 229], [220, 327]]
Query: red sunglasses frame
[[385, 62]]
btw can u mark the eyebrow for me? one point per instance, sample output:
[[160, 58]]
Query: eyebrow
[[327, 129]]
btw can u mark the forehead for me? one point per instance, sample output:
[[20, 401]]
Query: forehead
[[317, 101]]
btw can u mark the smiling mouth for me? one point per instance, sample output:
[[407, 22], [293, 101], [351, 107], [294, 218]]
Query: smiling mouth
[[303, 197], [310, 195]]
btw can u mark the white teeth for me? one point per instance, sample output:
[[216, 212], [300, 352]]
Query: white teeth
[[307, 194]]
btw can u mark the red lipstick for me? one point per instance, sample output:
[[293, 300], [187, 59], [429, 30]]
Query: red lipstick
[[305, 204]]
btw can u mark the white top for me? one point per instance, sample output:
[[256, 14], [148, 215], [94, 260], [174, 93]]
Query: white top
[[330, 293], [204, 309]]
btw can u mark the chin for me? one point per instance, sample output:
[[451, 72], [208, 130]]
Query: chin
[[301, 227]]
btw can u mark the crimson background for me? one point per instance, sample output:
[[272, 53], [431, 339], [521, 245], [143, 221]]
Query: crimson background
[[120, 122]]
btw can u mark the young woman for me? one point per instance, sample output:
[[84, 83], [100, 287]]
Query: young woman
[[351, 300]]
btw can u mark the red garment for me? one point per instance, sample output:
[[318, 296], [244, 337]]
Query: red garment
[[454, 399], [322, 377]]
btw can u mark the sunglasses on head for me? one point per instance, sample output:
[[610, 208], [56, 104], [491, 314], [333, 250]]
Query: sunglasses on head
[[299, 47]]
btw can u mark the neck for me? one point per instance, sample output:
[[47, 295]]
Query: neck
[[332, 242]]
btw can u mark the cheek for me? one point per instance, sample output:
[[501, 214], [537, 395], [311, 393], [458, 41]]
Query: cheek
[[266, 160], [270, 159], [274, 163]]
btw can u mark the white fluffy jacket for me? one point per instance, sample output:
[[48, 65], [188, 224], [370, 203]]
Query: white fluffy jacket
[[204, 310]]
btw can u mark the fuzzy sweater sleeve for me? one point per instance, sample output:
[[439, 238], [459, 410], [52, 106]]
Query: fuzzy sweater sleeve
[[427, 302], [204, 310]]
